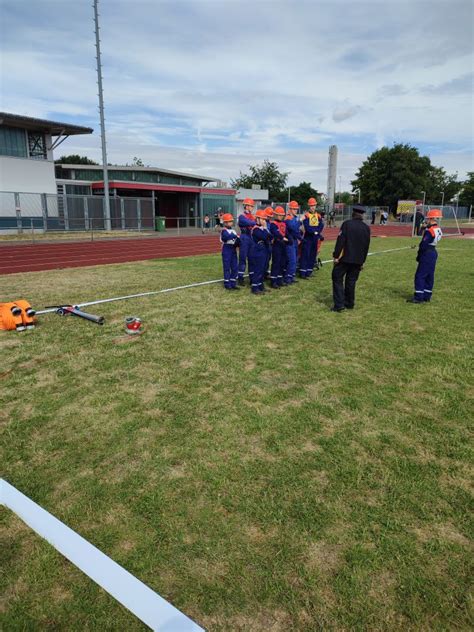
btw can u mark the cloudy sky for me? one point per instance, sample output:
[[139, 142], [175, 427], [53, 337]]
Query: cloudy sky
[[211, 86]]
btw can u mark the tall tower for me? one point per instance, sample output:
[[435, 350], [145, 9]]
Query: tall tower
[[332, 172]]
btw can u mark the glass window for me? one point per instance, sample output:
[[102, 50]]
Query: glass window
[[36, 146], [12, 142], [89, 174], [78, 189]]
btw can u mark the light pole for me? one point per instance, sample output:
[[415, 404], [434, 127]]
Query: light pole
[[358, 192], [424, 197], [107, 219], [442, 199]]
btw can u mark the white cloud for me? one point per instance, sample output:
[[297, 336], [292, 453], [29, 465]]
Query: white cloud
[[224, 84]]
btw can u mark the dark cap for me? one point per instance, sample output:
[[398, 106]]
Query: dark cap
[[357, 208]]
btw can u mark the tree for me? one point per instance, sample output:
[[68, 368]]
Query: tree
[[345, 197], [267, 175], [75, 159], [390, 174], [439, 182], [466, 196], [300, 193]]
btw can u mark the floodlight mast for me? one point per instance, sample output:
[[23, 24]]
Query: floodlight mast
[[107, 222]]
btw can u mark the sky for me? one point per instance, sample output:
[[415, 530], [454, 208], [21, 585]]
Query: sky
[[212, 86]]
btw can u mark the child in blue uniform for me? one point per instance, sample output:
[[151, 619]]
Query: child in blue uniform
[[280, 239], [246, 222], [427, 257], [268, 217], [230, 242], [312, 225], [293, 226], [259, 252]]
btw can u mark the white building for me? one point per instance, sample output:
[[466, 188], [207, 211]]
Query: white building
[[26, 152], [259, 196]]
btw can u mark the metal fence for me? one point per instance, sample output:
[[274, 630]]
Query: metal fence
[[20, 212], [49, 212]]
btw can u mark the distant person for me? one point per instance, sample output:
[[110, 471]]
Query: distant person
[[383, 218], [427, 257], [206, 226], [332, 218], [419, 219], [218, 219], [350, 253], [374, 215]]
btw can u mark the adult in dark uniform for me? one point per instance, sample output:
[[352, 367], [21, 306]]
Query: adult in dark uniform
[[350, 253], [419, 219]]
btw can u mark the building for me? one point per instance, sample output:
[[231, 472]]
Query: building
[[36, 193], [259, 196], [26, 152], [174, 194]]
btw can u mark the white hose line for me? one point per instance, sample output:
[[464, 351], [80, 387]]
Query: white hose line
[[182, 287], [136, 596]]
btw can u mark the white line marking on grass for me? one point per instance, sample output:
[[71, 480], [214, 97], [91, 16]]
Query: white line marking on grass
[[141, 600], [182, 287]]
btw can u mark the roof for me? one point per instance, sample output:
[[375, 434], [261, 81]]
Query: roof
[[181, 174], [53, 127], [177, 188]]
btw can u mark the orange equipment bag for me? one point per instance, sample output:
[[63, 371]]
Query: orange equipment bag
[[27, 313], [10, 317]]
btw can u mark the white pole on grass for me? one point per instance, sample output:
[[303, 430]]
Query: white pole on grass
[[107, 222]]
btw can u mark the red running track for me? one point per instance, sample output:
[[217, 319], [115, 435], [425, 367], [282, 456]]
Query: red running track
[[50, 256]]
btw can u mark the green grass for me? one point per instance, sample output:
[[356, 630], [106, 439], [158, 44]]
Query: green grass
[[261, 462]]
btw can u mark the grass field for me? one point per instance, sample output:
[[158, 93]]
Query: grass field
[[262, 463]]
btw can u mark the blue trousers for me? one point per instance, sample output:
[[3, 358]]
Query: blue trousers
[[229, 264], [290, 264], [258, 264], [308, 255], [267, 262], [278, 263], [244, 252], [424, 275]]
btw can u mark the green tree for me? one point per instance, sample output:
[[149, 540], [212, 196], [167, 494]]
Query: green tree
[[75, 159], [345, 197], [439, 182], [300, 193], [466, 197], [267, 175], [392, 173]]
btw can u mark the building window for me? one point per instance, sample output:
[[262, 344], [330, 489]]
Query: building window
[[78, 189], [13, 142], [36, 146]]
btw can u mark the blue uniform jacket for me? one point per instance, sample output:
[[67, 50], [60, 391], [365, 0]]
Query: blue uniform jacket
[[229, 238], [276, 233], [293, 228], [430, 238], [309, 230], [261, 237], [246, 223]]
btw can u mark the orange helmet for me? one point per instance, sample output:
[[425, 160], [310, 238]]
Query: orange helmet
[[227, 217], [294, 205], [249, 202], [312, 202], [261, 213], [269, 211], [279, 210], [434, 213]]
